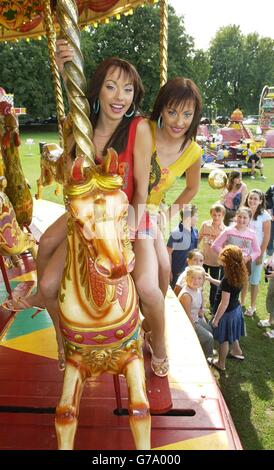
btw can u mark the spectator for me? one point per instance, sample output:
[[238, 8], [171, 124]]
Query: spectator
[[192, 301], [269, 276], [234, 195], [260, 223], [255, 161], [194, 258], [209, 231], [269, 198], [228, 322], [181, 240]]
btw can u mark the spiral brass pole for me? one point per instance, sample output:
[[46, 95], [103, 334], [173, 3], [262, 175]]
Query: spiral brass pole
[[76, 85], [163, 41], [51, 36]]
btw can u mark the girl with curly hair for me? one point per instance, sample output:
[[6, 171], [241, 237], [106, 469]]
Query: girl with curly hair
[[228, 322]]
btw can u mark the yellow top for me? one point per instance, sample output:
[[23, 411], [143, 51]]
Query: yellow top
[[162, 178]]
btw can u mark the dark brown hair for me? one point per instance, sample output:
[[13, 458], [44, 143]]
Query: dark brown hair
[[231, 177], [118, 140], [175, 92], [261, 207], [234, 266]]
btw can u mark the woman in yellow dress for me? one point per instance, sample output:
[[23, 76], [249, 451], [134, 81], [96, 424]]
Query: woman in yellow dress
[[174, 122]]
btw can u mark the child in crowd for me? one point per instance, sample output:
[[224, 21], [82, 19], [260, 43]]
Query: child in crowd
[[194, 258], [233, 196], [261, 224], [228, 322], [209, 231], [192, 302], [240, 235], [269, 277], [183, 239]]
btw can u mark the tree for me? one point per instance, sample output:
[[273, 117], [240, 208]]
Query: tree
[[136, 38], [25, 72]]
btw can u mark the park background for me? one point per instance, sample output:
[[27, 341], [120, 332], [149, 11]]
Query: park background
[[230, 73]]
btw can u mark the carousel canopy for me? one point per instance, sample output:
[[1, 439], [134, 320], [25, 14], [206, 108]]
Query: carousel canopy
[[25, 18]]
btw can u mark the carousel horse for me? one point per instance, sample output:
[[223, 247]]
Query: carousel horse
[[51, 164], [99, 314], [17, 188], [13, 240]]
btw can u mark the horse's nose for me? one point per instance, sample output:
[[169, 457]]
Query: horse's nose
[[107, 269], [103, 266]]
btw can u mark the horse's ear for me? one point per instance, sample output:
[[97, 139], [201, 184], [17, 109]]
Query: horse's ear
[[110, 163], [77, 171]]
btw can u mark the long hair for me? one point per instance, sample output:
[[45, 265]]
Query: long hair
[[235, 269], [261, 207], [118, 140], [179, 91], [231, 177]]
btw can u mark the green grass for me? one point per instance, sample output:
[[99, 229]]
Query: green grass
[[248, 386]]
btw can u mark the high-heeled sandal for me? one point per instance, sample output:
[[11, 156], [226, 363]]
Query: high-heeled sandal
[[159, 366], [18, 304]]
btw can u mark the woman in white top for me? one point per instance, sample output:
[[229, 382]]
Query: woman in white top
[[260, 223]]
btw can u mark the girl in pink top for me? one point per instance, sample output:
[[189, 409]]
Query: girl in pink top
[[240, 235], [234, 195]]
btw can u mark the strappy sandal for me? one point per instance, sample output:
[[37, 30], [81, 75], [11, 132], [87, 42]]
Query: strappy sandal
[[13, 304], [159, 366]]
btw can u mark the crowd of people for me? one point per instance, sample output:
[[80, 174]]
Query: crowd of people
[[156, 150], [230, 251]]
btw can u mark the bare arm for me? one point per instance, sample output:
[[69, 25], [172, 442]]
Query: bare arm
[[186, 302], [142, 157], [221, 308], [244, 194], [193, 174], [266, 237]]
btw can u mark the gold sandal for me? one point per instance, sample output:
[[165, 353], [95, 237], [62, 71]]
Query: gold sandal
[[159, 366]]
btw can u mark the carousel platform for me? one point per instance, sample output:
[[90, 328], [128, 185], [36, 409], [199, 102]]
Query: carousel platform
[[231, 166], [30, 384]]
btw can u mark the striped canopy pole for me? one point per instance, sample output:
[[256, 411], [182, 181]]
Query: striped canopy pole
[[163, 41], [67, 14], [51, 36]]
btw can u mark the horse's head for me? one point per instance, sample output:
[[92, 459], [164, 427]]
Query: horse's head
[[99, 209]]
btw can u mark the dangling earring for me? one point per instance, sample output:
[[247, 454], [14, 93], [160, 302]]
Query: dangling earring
[[131, 113], [160, 122], [96, 106]]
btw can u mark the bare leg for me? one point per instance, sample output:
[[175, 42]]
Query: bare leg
[[253, 294], [49, 287], [236, 349], [49, 242], [223, 352], [244, 293], [145, 276], [163, 262], [139, 417]]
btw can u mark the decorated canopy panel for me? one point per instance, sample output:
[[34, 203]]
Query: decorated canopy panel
[[25, 18]]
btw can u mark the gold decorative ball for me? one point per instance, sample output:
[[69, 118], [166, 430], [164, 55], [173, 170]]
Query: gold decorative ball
[[217, 179]]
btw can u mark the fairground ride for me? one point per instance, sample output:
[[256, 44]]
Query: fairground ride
[[266, 108], [188, 410]]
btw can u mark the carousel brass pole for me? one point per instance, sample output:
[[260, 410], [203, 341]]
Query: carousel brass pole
[[163, 41], [76, 85], [51, 36]]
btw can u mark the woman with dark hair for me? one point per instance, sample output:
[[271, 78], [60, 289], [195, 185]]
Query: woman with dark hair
[[116, 93], [228, 322], [234, 195], [174, 122], [261, 224]]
